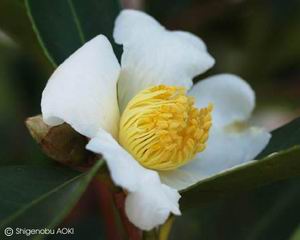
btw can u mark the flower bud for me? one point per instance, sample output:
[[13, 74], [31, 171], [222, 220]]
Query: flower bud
[[62, 143]]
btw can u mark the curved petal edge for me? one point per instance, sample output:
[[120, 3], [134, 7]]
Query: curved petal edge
[[82, 91], [232, 97], [149, 202], [226, 148], [153, 55]]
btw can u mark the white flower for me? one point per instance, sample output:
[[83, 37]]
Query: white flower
[[91, 91]]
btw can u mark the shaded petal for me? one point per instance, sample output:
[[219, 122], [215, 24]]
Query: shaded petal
[[150, 206], [149, 202], [153, 55], [226, 148], [233, 99], [82, 90], [180, 178]]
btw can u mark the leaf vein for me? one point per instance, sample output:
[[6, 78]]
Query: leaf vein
[[77, 22], [45, 195]]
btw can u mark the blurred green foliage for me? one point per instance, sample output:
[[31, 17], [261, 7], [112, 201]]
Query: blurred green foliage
[[23, 71], [260, 41], [257, 39], [45, 195], [270, 212]]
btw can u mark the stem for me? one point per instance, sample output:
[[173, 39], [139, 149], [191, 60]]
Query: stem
[[113, 204], [133, 232], [106, 205], [150, 235], [165, 229]]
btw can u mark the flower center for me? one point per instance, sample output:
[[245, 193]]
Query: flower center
[[162, 129]]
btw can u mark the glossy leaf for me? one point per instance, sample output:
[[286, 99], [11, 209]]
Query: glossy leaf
[[281, 160], [63, 26], [39, 197], [283, 138], [281, 213], [268, 212]]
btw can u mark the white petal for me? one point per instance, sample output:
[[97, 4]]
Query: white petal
[[233, 99], [149, 202], [226, 148], [180, 178], [150, 205], [82, 90], [153, 55]]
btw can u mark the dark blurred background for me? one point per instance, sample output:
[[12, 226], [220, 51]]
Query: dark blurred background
[[258, 40]]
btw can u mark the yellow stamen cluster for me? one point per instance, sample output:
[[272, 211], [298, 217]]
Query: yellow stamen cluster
[[162, 129]]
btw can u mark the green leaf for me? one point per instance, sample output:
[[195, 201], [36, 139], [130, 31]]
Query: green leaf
[[283, 138], [296, 234], [63, 26], [15, 23], [280, 212], [281, 160], [268, 212], [39, 197]]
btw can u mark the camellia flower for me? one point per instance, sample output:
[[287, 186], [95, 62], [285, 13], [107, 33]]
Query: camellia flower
[[158, 133]]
